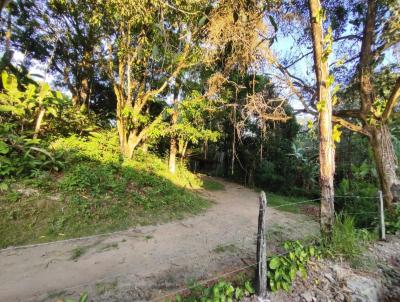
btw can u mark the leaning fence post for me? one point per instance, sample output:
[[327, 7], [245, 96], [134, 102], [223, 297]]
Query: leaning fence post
[[382, 216], [261, 276]]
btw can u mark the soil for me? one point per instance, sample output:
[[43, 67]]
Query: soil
[[147, 263]]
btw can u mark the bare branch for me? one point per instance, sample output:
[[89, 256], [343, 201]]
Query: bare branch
[[349, 125]]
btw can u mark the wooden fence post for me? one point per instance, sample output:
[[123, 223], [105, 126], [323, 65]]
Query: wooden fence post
[[382, 216], [261, 275]]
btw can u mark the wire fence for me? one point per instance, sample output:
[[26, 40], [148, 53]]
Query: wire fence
[[244, 244], [315, 238]]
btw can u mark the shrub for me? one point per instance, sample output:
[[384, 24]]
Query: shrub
[[392, 222], [359, 199], [283, 269], [346, 241]]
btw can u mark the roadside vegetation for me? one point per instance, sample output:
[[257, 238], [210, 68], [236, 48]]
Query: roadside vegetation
[[113, 114], [95, 192]]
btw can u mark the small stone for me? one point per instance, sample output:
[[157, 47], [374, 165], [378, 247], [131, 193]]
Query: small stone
[[307, 296], [340, 272], [339, 297], [329, 277]]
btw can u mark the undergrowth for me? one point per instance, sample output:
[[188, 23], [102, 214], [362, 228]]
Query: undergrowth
[[97, 192]]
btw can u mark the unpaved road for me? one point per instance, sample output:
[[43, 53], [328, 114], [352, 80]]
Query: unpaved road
[[145, 263]]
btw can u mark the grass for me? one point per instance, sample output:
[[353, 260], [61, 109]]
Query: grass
[[78, 252], [212, 185], [97, 192], [104, 287], [287, 203], [231, 248]]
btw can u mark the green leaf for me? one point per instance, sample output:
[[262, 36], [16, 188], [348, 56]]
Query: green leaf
[[249, 287], [330, 80], [52, 111], [202, 21], [3, 186], [12, 109], [274, 263], [83, 298], [321, 105], [4, 149], [336, 134]]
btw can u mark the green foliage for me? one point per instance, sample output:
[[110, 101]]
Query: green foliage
[[283, 269], [21, 153], [22, 105], [212, 185], [392, 220], [83, 298], [222, 291], [96, 192], [346, 240], [358, 198], [287, 203]]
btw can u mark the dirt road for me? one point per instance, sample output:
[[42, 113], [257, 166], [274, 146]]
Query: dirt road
[[144, 263]]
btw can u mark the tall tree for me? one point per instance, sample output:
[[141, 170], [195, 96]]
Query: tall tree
[[65, 36], [143, 59], [326, 147], [364, 35], [374, 110]]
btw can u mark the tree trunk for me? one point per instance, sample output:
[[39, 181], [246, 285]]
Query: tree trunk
[[173, 142], [39, 122], [172, 155], [386, 163], [326, 147]]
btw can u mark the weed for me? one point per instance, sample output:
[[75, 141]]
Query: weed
[[231, 248], [212, 185], [99, 192], [347, 241], [221, 291], [78, 252], [104, 287], [283, 269]]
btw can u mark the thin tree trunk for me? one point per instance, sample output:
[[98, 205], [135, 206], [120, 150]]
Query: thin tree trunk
[[172, 155], [39, 122], [173, 142], [386, 163], [326, 147]]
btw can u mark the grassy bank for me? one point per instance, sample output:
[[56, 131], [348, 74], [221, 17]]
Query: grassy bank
[[96, 192]]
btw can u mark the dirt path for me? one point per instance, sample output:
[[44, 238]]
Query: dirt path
[[146, 262]]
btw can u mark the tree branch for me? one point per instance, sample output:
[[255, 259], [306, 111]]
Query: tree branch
[[393, 99], [349, 125]]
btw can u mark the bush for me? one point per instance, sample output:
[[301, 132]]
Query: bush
[[346, 241], [283, 269], [392, 221]]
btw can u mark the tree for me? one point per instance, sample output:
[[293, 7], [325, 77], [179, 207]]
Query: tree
[[143, 59], [363, 35], [192, 124], [65, 36], [321, 46], [374, 110]]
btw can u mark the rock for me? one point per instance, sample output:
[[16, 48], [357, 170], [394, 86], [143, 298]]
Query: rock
[[329, 277], [364, 289], [307, 296], [320, 296], [340, 273], [340, 297]]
